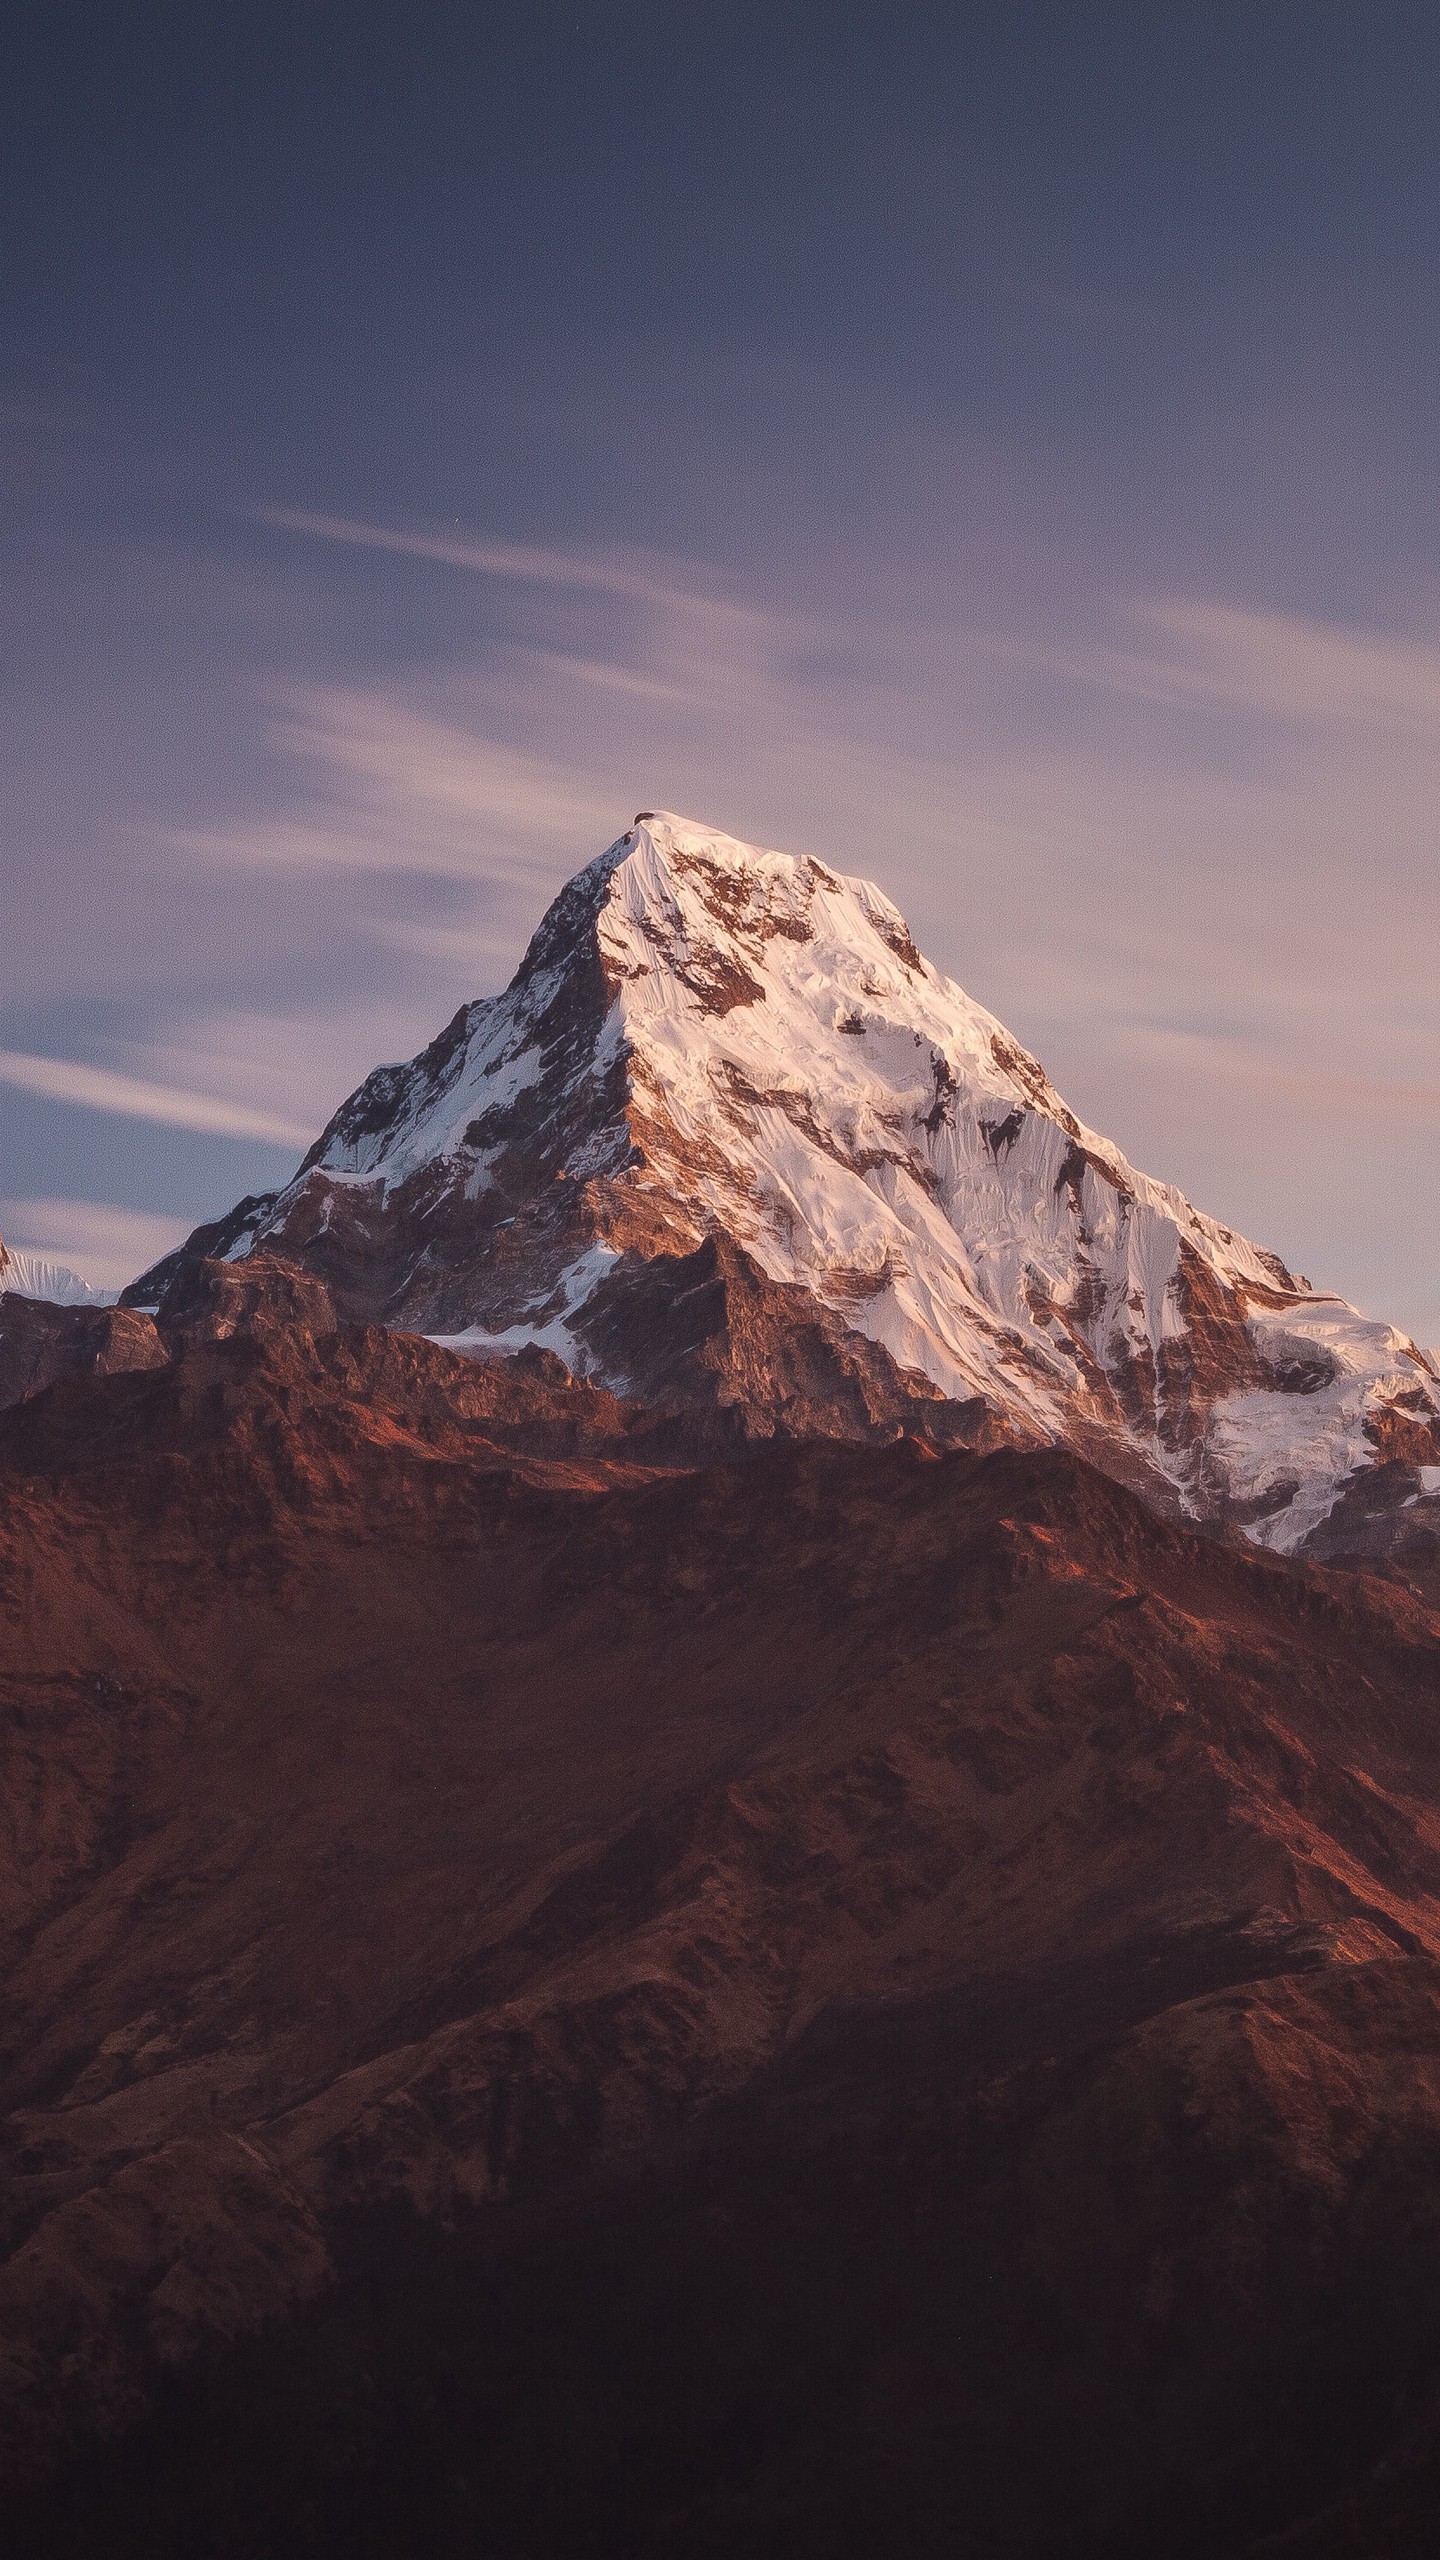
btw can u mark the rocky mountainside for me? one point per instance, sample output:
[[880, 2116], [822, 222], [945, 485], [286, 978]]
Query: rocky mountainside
[[815, 2000], [728, 1132]]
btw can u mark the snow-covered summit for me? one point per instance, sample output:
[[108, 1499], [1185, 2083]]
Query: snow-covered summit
[[30, 1275], [709, 1039]]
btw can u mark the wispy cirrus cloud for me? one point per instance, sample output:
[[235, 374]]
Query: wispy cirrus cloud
[[1255, 1062], [657, 579], [1220, 655], [532, 563], [1232, 658], [1304, 670], [401, 789], [292, 1068], [101, 1089], [108, 1245]]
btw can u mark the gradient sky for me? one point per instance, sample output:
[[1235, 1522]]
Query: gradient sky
[[993, 448]]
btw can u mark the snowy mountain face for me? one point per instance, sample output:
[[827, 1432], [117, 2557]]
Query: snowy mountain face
[[720, 1069], [29, 1275]]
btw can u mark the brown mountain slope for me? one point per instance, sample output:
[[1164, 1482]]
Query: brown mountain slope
[[910, 1982]]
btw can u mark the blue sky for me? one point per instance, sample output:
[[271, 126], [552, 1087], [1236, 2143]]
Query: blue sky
[[994, 449]]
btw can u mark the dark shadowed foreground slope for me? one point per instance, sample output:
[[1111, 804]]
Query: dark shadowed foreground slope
[[834, 2001]]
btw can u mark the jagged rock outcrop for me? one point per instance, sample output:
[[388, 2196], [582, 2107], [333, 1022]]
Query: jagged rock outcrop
[[41, 1341]]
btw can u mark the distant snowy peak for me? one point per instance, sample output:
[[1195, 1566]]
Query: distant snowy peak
[[706, 1040], [29, 1275]]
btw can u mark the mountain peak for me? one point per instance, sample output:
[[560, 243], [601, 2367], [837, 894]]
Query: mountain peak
[[708, 1039], [32, 1275]]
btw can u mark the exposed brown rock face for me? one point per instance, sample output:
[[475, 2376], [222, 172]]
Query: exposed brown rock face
[[40, 1342], [911, 1984], [706, 1333]]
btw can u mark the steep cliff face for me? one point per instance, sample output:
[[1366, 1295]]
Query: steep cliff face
[[40, 1342], [710, 1047]]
